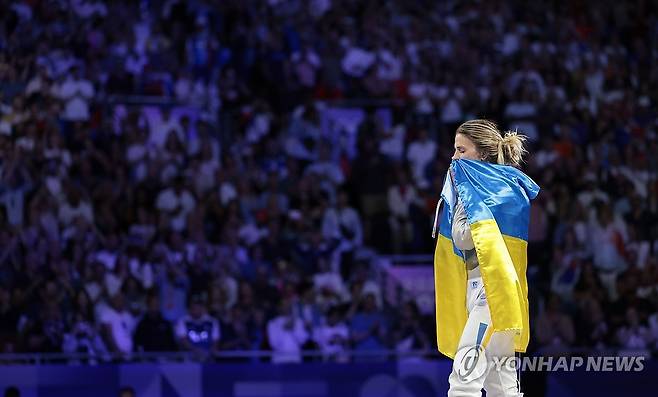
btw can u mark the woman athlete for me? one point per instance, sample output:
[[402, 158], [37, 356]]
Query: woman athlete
[[481, 140]]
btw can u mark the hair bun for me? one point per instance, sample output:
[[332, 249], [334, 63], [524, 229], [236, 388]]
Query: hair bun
[[510, 135], [496, 146]]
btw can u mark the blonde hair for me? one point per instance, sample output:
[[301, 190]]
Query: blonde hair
[[495, 147]]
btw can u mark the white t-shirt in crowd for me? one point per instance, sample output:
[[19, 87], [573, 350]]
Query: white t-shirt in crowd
[[357, 61], [349, 219], [161, 128], [113, 283], [327, 169], [68, 213], [286, 343], [227, 192], [168, 200], [76, 94], [393, 145], [122, 325], [332, 339], [451, 111], [333, 282], [204, 177], [422, 93], [420, 154], [399, 202], [135, 63], [35, 85]]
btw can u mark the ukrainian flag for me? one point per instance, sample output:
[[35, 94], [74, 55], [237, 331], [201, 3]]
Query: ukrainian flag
[[497, 203]]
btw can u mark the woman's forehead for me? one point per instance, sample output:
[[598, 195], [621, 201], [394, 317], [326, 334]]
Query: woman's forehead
[[462, 140]]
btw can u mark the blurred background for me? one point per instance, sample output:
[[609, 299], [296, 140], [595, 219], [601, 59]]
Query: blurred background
[[236, 197]]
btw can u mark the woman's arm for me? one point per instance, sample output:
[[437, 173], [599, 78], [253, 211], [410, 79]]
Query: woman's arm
[[461, 231]]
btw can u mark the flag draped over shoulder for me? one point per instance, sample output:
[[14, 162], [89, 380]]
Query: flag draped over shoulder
[[497, 203]]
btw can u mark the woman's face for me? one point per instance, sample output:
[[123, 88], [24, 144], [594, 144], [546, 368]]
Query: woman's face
[[465, 149]]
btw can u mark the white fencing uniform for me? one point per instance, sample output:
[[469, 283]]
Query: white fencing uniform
[[474, 366]]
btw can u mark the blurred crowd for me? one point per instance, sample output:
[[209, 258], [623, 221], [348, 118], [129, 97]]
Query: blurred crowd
[[248, 223]]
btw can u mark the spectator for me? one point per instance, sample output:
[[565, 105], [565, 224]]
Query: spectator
[[15, 184], [75, 206], [83, 339], [153, 332], [554, 330], [40, 83], [262, 120], [420, 154], [286, 334], [306, 308], [608, 238], [223, 292], [163, 126], [522, 112], [351, 232], [76, 93], [135, 63], [451, 99], [401, 197], [324, 167], [45, 331], [197, 331], [118, 326], [83, 336], [593, 328], [306, 63], [356, 61], [634, 335], [409, 331], [238, 332], [333, 337], [368, 328], [175, 204], [392, 143], [329, 286]]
